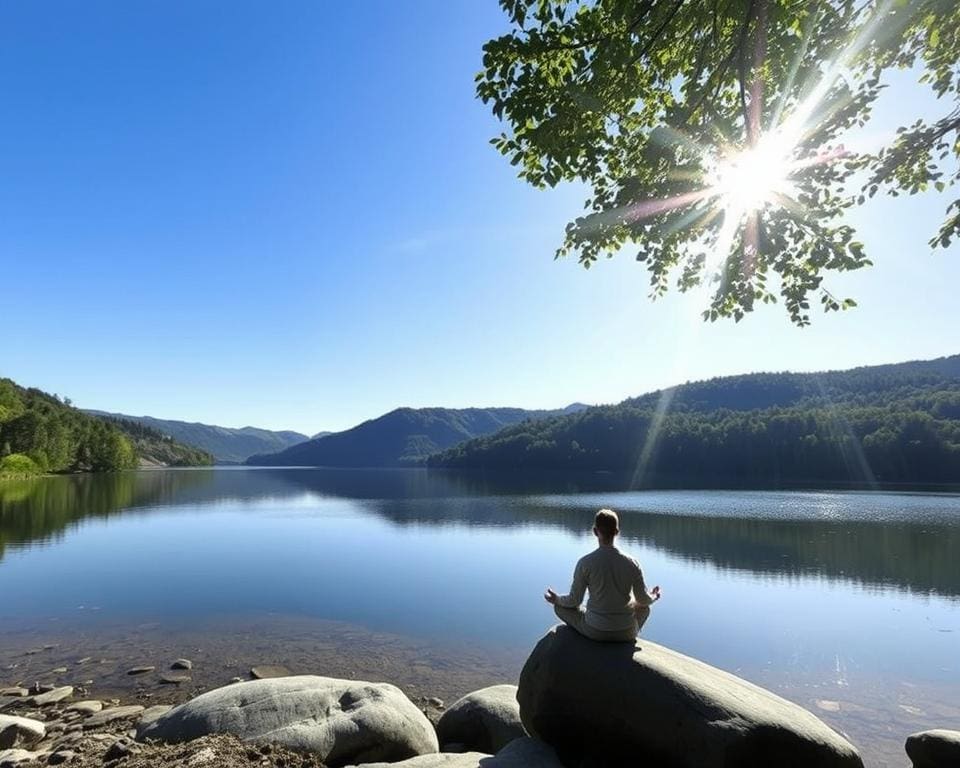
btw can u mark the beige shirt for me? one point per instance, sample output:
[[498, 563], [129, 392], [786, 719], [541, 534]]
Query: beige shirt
[[610, 576]]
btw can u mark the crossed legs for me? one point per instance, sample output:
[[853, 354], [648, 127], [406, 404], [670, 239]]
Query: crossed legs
[[576, 618]]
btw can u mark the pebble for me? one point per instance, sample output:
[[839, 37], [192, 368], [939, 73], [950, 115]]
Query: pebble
[[58, 671], [52, 696], [85, 660], [140, 670], [61, 756], [433, 701], [152, 713], [269, 670], [182, 664], [174, 679], [114, 713], [122, 747]]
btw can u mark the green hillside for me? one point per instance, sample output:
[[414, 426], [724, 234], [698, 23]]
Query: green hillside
[[402, 437], [41, 433], [155, 449], [892, 423], [227, 445]]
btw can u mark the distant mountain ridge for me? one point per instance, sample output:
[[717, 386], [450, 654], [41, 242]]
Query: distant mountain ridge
[[897, 423], [227, 445], [402, 437]]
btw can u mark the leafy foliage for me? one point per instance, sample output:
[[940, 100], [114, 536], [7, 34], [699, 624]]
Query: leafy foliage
[[56, 437], [636, 99], [887, 424]]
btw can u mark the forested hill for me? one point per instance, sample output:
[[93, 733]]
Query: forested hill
[[400, 438], [41, 433], [891, 423], [228, 445], [763, 390], [155, 449]]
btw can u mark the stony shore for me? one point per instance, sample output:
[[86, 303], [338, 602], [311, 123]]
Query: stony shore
[[87, 710], [82, 730]]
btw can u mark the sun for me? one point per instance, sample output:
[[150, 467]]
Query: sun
[[750, 180]]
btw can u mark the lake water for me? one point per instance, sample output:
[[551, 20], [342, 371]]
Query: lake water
[[848, 603]]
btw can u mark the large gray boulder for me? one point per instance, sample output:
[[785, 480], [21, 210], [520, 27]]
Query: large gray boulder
[[485, 720], [632, 704], [519, 753], [934, 749], [341, 721]]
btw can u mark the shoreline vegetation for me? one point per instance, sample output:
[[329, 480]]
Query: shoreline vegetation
[[43, 434]]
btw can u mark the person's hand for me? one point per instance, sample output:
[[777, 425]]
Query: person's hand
[[550, 596], [655, 593]]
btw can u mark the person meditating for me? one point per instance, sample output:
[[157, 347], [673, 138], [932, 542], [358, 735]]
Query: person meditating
[[612, 615]]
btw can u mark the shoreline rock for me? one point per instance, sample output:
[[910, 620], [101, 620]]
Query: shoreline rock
[[624, 704], [938, 748], [339, 721], [483, 721]]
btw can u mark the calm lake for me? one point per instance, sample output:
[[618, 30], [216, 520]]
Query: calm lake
[[846, 602]]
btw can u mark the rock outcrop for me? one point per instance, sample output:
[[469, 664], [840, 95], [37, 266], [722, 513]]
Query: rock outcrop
[[934, 749], [340, 721], [485, 720], [626, 704]]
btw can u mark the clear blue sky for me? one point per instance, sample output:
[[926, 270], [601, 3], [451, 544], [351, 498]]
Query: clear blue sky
[[281, 215]]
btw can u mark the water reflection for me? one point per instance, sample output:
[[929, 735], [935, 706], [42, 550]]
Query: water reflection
[[906, 542]]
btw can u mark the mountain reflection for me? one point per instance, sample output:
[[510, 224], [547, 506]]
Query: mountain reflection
[[918, 552]]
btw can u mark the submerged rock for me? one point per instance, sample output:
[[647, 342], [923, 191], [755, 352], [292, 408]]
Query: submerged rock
[[934, 749], [630, 704], [182, 664], [341, 721], [485, 720], [173, 678]]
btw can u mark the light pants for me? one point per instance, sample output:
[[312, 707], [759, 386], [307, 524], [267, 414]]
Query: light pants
[[577, 618]]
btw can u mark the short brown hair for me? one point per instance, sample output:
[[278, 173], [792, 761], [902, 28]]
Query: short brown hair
[[607, 522]]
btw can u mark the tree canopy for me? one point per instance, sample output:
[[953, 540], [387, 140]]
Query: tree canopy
[[711, 134]]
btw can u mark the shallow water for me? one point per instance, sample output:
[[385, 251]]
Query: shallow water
[[848, 603]]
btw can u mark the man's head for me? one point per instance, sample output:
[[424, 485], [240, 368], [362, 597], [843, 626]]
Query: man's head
[[606, 525]]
